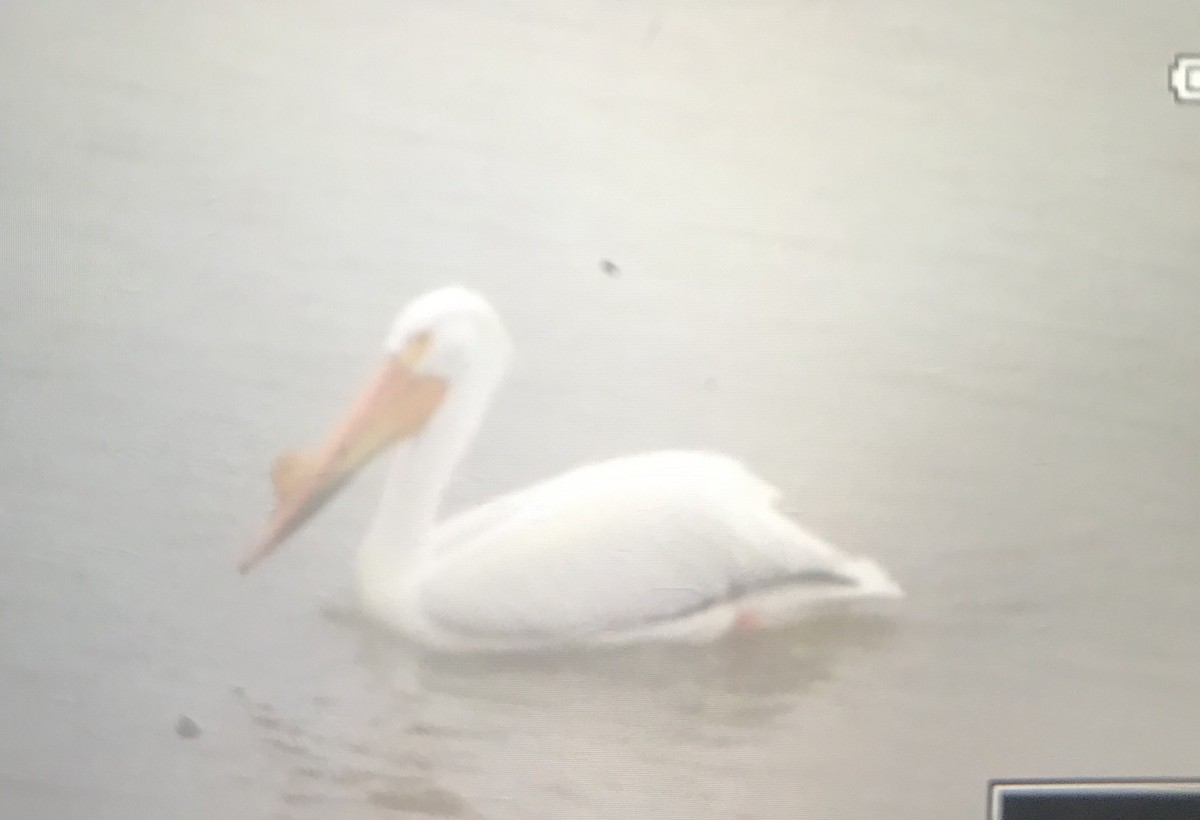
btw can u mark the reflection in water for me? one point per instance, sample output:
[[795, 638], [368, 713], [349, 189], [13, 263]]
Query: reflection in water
[[326, 771], [747, 669], [445, 715]]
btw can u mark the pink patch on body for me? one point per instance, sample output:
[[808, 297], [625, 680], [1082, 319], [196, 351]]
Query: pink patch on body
[[747, 620]]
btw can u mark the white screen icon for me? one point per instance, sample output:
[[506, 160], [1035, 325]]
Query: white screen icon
[[1184, 78]]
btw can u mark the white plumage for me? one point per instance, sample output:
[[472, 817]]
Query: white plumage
[[671, 545]]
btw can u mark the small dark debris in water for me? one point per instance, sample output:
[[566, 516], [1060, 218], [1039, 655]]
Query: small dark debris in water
[[187, 728], [609, 267]]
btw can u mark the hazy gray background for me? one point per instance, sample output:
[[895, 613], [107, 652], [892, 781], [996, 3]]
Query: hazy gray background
[[932, 270]]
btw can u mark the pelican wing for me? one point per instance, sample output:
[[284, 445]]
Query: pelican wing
[[708, 473], [616, 546]]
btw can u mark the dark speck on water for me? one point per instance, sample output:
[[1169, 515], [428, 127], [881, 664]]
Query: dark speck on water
[[187, 728]]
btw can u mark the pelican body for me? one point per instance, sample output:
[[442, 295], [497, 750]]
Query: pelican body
[[683, 546]]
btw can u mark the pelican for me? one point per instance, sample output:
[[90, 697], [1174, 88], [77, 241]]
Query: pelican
[[677, 546]]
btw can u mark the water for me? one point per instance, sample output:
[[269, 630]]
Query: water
[[931, 270]]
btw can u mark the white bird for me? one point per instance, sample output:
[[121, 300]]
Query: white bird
[[671, 546]]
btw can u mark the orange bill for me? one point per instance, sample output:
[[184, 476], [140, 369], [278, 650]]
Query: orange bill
[[396, 405]]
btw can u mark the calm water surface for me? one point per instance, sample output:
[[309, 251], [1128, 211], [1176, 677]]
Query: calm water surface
[[930, 270]]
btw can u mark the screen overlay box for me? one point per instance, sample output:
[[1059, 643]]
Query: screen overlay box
[[1134, 799]]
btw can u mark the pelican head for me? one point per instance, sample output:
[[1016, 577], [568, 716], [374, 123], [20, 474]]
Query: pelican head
[[449, 333], [445, 340]]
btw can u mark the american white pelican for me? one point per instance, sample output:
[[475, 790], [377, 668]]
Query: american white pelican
[[673, 545]]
